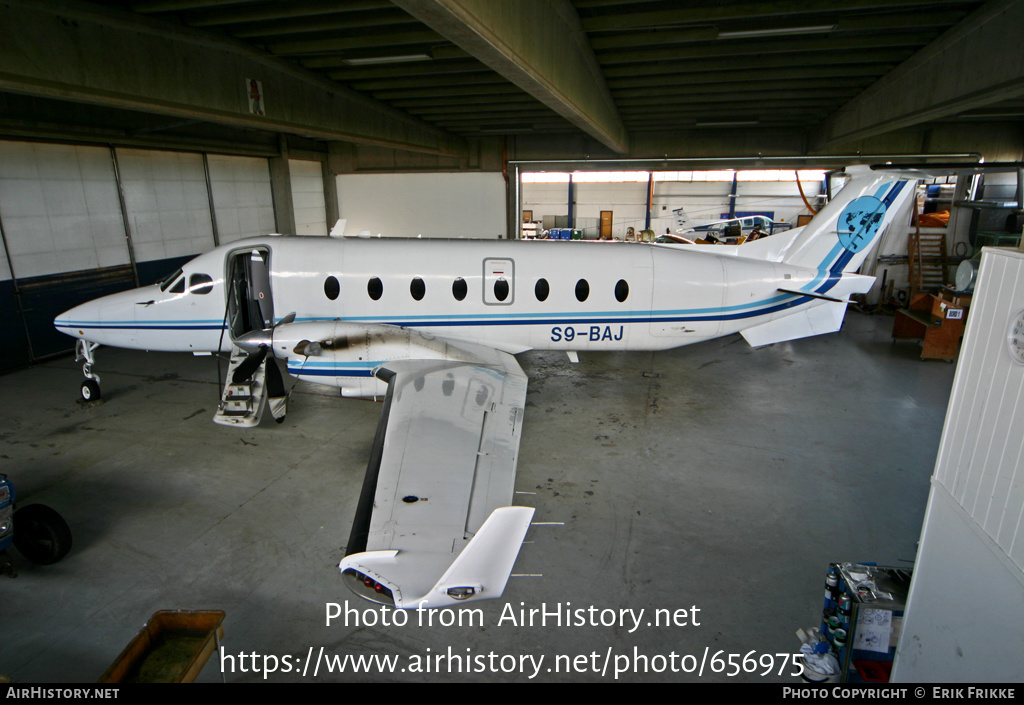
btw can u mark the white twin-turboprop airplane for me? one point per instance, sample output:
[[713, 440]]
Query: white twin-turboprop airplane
[[433, 326]]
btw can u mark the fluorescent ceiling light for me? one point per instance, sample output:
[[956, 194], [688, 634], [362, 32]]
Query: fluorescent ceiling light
[[728, 123], [506, 129], [387, 59], [817, 29]]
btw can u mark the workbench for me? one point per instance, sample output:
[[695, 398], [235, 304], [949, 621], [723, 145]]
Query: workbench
[[936, 320]]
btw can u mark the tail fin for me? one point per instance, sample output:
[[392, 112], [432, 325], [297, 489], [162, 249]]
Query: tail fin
[[843, 232], [834, 245]]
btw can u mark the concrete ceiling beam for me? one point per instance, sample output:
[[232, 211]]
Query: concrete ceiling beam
[[91, 54], [539, 46], [976, 63]]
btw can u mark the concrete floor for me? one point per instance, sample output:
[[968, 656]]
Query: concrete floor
[[713, 476]]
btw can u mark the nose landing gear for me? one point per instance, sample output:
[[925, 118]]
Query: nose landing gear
[[91, 385]]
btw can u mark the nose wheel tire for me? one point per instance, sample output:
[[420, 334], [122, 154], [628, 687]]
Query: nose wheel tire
[[90, 390]]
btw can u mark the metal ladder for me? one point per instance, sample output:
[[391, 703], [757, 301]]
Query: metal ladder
[[927, 261]]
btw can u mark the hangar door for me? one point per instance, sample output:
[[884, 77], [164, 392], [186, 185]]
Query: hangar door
[[79, 222]]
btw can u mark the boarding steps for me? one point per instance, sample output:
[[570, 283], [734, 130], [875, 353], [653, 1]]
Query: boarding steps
[[242, 404]]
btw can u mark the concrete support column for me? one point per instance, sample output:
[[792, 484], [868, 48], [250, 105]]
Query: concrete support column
[[331, 208], [281, 189], [124, 215], [571, 211], [209, 198], [650, 200], [733, 194]]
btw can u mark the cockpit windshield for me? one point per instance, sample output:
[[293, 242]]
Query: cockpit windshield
[[170, 280]]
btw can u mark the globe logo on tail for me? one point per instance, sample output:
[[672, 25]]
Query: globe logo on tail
[[859, 222]]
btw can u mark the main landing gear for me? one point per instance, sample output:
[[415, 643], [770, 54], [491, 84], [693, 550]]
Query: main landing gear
[[91, 384]]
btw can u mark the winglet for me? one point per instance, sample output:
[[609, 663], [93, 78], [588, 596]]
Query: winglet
[[480, 571]]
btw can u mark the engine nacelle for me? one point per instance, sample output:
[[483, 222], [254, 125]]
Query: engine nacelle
[[348, 355]]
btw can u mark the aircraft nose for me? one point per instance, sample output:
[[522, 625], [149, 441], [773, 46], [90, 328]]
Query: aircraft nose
[[106, 320], [76, 321]]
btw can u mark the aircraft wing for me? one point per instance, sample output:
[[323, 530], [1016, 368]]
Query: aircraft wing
[[433, 526]]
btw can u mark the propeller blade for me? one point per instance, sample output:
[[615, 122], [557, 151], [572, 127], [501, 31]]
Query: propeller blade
[[275, 382], [277, 397], [249, 365]]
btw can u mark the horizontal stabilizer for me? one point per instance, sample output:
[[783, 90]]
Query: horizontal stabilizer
[[827, 317], [813, 296], [478, 573]]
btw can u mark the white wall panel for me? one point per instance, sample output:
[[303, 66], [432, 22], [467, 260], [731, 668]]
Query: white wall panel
[[242, 197], [308, 197], [431, 205], [965, 612], [60, 208], [168, 206]]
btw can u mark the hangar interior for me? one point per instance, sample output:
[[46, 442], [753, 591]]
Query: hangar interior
[[136, 134]]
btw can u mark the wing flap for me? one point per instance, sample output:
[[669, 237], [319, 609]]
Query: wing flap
[[448, 445]]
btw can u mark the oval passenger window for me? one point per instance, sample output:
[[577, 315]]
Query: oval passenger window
[[541, 290], [375, 288], [417, 288], [582, 290], [332, 288], [501, 289], [621, 290], [459, 289]]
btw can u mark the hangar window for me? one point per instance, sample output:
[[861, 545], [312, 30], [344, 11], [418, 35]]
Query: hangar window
[[459, 289], [332, 288], [621, 290], [541, 290], [375, 288], [582, 290], [417, 288], [501, 289], [200, 284]]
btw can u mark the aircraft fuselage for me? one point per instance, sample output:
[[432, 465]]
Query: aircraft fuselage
[[511, 295]]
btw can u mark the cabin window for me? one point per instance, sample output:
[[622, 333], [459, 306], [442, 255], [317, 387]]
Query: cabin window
[[170, 279], [621, 290], [179, 287], [332, 288], [375, 288], [501, 289], [459, 289], [582, 290], [417, 288], [541, 290], [200, 284]]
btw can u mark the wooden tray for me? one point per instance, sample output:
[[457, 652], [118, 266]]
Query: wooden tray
[[172, 647]]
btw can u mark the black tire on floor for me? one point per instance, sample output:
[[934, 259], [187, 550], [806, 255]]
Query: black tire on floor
[[90, 390], [41, 534]]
